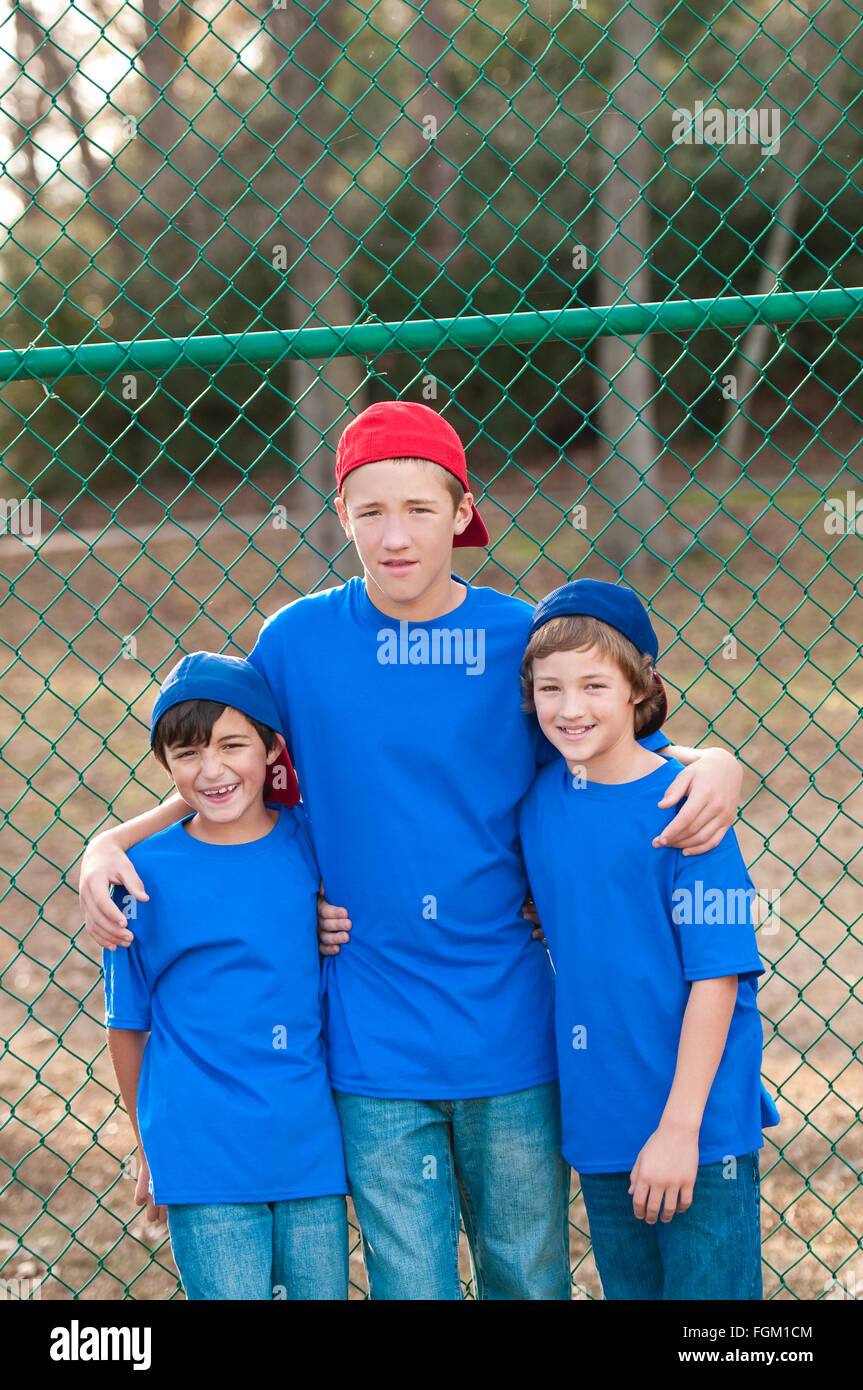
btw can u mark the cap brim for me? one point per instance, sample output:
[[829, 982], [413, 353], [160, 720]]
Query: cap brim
[[287, 793], [474, 533]]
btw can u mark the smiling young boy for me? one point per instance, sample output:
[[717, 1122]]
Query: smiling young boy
[[412, 761], [213, 1014], [658, 1033]]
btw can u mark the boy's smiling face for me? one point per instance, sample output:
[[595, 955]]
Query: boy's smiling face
[[400, 518], [224, 780], [583, 704]]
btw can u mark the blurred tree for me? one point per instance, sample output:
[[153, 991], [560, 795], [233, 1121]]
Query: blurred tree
[[161, 153], [624, 159]]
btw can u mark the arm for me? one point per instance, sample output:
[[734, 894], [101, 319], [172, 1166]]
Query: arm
[[665, 1169], [711, 782], [105, 862], [126, 1046]]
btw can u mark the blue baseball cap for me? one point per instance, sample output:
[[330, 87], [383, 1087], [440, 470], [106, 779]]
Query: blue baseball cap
[[610, 603], [232, 681]]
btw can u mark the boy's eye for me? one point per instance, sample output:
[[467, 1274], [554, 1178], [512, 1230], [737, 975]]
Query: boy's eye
[[376, 512]]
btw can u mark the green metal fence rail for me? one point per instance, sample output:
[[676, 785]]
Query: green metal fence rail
[[228, 228]]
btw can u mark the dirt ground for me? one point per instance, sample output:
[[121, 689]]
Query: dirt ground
[[759, 624]]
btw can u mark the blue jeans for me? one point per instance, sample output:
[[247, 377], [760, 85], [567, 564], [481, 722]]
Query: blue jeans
[[711, 1251], [414, 1164], [262, 1250]]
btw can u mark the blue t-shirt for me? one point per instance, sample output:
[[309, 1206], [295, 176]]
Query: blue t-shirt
[[628, 928], [412, 753], [234, 1102]]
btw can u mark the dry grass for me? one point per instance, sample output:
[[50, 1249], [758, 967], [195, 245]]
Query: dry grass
[[789, 700]]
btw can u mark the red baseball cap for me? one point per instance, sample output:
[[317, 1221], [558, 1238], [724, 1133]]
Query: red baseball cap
[[407, 429]]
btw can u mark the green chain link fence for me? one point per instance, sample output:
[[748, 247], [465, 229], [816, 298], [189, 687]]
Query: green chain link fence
[[229, 228]]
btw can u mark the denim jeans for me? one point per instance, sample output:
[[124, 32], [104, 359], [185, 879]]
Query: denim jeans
[[711, 1251], [262, 1250], [413, 1165]]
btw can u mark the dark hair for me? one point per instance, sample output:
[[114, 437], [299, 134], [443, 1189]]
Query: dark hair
[[190, 723], [578, 632]]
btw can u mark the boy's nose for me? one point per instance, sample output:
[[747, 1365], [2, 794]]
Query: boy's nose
[[395, 534], [395, 538], [211, 766], [572, 713]]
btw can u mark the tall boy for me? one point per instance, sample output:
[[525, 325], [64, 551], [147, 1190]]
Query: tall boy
[[658, 1032], [403, 718], [213, 1015]]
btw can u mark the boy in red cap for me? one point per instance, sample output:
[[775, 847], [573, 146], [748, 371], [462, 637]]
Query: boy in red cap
[[404, 723]]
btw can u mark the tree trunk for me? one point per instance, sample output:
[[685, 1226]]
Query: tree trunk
[[437, 174], [324, 395], [796, 149], [624, 164]]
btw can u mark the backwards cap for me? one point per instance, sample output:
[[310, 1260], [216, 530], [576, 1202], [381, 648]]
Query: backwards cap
[[231, 681], [407, 429], [615, 605]]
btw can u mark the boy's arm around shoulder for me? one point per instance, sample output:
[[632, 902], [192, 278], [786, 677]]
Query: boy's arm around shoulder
[[712, 783], [106, 864]]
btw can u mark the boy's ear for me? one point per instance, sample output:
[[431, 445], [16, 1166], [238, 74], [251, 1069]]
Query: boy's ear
[[342, 513], [463, 515], [274, 752]]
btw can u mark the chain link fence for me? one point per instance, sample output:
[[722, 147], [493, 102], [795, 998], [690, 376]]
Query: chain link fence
[[231, 226]]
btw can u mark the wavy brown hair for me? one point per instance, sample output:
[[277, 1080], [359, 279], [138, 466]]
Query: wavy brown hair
[[578, 632]]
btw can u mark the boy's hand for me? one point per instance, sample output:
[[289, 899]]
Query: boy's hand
[[334, 926], [144, 1197], [528, 910], [664, 1173], [104, 864], [712, 787]]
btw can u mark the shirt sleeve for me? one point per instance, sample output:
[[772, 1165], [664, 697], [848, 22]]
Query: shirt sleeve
[[712, 908], [127, 992]]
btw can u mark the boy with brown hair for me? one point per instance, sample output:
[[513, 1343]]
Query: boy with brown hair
[[657, 1028]]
